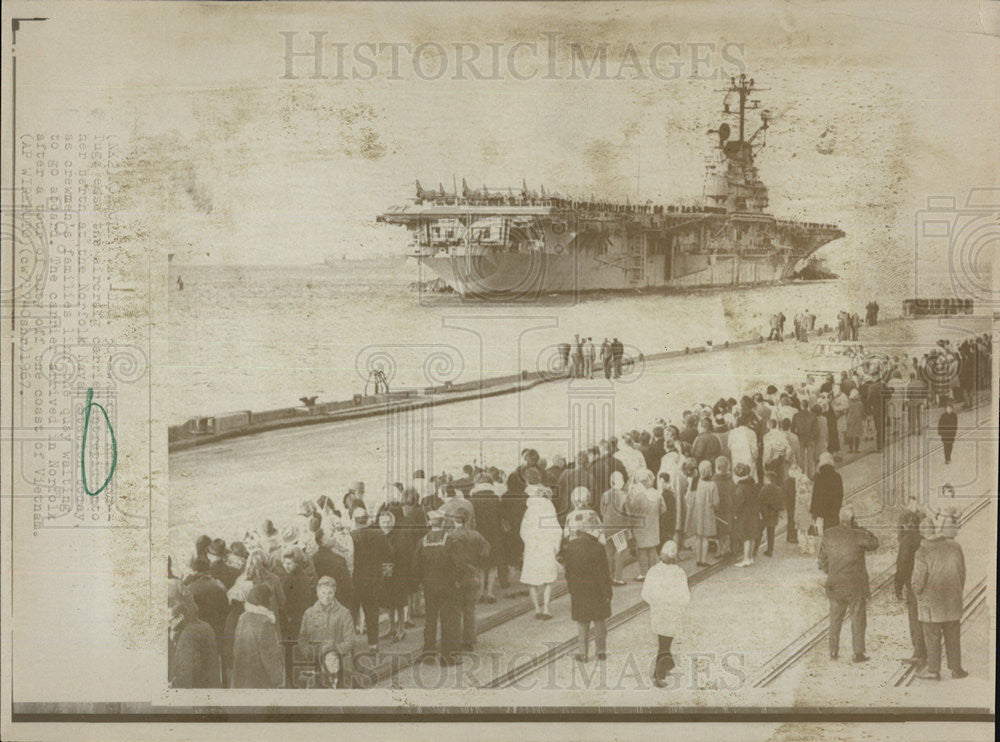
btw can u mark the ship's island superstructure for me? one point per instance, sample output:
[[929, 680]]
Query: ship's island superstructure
[[495, 244]]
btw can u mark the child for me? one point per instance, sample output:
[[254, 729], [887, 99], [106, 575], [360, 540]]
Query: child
[[803, 499]]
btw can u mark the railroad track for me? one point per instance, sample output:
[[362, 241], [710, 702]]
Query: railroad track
[[564, 648], [973, 603], [812, 637], [398, 663]]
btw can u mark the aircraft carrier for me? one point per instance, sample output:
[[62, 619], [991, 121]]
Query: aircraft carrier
[[507, 244]]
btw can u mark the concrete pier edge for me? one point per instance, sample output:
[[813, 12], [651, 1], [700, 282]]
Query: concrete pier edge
[[179, 439]]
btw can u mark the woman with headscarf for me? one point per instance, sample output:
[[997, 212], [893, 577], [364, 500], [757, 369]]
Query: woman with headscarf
[[703, 505], [746, 511], [666, 591], [644, 506], [828, 494], [258, 660], [579, 503], [588, 579], [854, 425], [617, 525], [542, 538], [724, 512]]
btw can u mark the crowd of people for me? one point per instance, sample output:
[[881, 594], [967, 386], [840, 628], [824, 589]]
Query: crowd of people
[[930, 577], [580, 359], [299, 606], [804, 322]]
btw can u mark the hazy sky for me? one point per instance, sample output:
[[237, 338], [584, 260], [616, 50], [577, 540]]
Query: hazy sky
[[228, 162]]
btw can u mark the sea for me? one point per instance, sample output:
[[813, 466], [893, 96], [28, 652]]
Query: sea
[[260, 337]]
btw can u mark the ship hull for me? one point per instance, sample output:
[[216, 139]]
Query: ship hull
[[518, 275]]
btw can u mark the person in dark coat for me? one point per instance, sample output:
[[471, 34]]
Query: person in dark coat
[[909, 538], [486, 504], [668, 516], [577, 476], [436, 573], [258, 659], [218, 566], [512, 507], [371, 551], [209, 595], [772, 500], [468, 552], [842, 557], [833, 432], [551, 475], [328, 563], [517, 480], [395, 573], [939, 583], [805, 426], [298, 580], [948, 430], [604, 466], [589, 582], [746, 513], [828, 492], [875, 400], [193, 656], [724, 513], [706, 447], [415, 523]]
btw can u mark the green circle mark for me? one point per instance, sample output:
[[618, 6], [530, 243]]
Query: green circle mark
[[83, 447]]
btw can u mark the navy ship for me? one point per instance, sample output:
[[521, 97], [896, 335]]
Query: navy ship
[[507, 243]]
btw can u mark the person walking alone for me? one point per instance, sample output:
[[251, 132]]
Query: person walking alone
[[666, 592], [948, 430]]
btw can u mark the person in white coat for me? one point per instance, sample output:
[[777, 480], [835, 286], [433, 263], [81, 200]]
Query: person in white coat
[[666, 591], [542, 537], [743, 446]]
